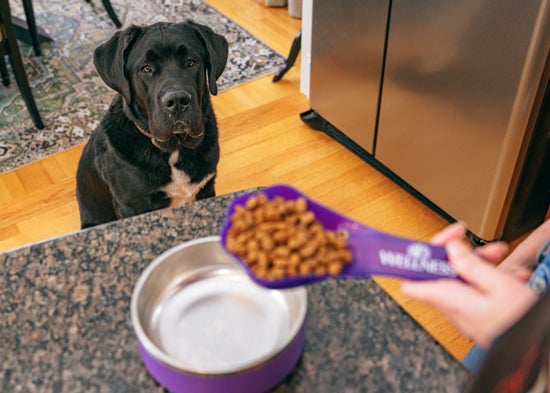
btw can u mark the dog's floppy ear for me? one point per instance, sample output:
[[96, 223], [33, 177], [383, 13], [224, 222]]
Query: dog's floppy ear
[[217, 50], [110, 60]]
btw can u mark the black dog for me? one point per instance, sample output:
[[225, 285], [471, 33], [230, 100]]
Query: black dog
[[158, 144]]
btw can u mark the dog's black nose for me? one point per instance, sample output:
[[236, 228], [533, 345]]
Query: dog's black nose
[[176, 101]]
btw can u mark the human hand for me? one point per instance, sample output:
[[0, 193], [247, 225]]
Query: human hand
[[487, 302], [495, 252], [491, 252]]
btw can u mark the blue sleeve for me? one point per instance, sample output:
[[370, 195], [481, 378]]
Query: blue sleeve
[[540, 279]]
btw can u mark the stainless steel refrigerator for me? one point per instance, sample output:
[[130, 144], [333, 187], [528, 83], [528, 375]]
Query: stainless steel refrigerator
[[450, 99]]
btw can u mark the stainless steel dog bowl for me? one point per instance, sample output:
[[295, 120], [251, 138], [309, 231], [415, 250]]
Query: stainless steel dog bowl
[[203, 326]]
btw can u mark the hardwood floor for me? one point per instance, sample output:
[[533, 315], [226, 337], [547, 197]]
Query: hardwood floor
[[263, 141]]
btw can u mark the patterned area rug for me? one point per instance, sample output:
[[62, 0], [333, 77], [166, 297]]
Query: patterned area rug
[[70, 95]]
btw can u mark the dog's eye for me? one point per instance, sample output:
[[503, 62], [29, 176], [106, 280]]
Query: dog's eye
[[191, 63], [146, 69]]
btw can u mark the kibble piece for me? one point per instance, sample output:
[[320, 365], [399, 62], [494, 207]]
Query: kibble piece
[[343, 255], [253, 244], [281, 236], [320, 270], [267, 243], [252, 203], [300, 205], [305, 268], [294, 259], [309, 249], [307, 218], [292, 270], [282, 252], [335, 268], [298, 240], [279, 262], [263, 260]]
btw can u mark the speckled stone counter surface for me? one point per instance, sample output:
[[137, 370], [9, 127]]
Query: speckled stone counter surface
[[65, 321]]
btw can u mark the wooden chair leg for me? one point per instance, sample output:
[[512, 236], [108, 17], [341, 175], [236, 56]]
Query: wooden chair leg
[[291, 59], [17, 65], [110, 11], [31, 22], [4, 72], [25, 89]]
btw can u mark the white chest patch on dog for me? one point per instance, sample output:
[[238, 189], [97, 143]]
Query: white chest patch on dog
[[180, 189]]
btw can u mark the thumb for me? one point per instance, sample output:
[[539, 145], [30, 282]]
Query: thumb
[[471, 267]]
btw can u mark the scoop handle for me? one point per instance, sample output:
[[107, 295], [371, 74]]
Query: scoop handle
[[378, 253]]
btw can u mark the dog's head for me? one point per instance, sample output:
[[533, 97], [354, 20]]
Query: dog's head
[[164, 72]]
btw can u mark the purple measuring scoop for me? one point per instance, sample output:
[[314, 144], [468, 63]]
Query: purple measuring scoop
[[374, 252]]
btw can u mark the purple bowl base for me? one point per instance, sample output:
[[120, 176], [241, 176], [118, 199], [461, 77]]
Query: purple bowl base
[[256, 380]]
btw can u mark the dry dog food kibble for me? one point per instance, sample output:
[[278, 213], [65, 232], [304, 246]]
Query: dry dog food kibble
[[278, 238]]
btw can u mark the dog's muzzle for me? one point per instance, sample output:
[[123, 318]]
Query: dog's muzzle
[[177, 138], [175, 119]]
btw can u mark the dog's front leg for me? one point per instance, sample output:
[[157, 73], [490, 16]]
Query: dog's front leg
[[208, 190]]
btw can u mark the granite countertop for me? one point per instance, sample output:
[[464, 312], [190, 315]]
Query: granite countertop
[[65, 324]]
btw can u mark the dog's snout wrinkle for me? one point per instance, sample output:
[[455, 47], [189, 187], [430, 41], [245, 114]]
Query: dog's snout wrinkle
[[187, 134], [176, 101]]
